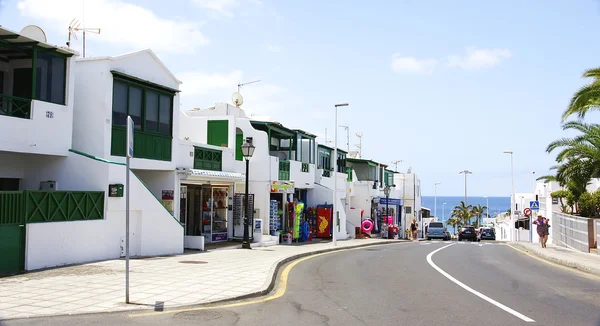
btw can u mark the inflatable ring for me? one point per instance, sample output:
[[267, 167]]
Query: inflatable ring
[[367, 226]]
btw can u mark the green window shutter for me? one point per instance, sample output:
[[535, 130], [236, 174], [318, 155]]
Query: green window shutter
[[239, 140], [218, 133]]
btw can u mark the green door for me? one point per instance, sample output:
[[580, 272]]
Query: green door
[[12, 249], [218, 133], [239, 141]]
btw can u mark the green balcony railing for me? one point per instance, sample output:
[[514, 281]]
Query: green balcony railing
[[16, 107], [208, 159], [284, 170], [37, 206], [305, 167], [349, 172], [327, 173]]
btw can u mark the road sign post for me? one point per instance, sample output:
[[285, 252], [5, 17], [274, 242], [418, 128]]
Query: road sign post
[[533, 206], [130, 129]]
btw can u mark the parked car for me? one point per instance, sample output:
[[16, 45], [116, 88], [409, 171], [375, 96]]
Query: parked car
[[487, 233], [437, 230], [467, 232]]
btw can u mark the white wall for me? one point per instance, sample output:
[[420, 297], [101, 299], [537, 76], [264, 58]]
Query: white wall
[[39, 134], [153, 230], [93, 107], [302, 180]]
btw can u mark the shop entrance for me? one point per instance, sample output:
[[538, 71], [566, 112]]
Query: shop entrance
[[207, 212]]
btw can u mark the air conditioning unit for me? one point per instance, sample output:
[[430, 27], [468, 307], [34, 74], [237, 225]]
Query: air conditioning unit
[[48, 185]]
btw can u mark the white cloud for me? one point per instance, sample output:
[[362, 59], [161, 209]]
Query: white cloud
[[274, 48], [479, 58], [221, 6], [413, 65], [203, 90], [121, 23]]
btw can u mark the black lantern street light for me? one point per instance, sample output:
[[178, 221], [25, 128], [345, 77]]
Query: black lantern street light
[[247, 151], [386, 191]]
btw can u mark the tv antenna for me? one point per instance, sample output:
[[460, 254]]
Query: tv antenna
[[359, 146], [396, 164], [243, 84], [74, 27]]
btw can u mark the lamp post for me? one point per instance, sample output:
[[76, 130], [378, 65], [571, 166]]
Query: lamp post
[[247, 152], [512, 195], [386, 191], [443, 215], [531, 216], [335, 170], [435, 199], [465, 172]]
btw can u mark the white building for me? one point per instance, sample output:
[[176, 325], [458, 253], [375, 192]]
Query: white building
[[62, 140]]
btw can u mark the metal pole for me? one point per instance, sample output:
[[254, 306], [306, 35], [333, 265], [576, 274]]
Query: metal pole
[[335, 168], [531, 216], [246, 241], [435, 200], [512, 196], [387, 211], [126, 228], [465, 188]]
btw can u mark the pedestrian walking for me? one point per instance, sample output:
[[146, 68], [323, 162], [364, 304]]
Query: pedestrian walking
[[413, 229], [542, 229]]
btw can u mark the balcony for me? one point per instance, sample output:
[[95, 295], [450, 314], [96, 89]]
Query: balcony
[[16, 107], [305, 168], [327, 173]]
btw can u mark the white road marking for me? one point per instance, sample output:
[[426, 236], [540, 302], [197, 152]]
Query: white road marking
[[480, 245], [482, 296]]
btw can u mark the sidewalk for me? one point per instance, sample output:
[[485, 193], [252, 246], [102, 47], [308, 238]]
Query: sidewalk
[[172, 281], [584, 262]]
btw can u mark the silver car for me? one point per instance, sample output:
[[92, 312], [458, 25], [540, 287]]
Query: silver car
[[437, 230]]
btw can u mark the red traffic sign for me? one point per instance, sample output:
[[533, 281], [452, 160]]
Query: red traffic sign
[[527, 212]]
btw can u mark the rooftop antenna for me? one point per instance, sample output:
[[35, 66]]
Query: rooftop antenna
[[243, 84], [74, 27], [396, 164], [359, 146]]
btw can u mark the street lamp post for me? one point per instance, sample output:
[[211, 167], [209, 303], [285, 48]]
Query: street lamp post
[[435, 199], [487, 205], [247, 152], [531, 216], [512, 195], [443, 208], [335, 170], [386, 191], [465, 172]]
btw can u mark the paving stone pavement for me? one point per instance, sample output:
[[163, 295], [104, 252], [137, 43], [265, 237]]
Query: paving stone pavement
[[159, 281], [586, 262]]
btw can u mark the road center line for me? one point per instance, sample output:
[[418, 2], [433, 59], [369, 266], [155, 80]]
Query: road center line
[[482, 296]]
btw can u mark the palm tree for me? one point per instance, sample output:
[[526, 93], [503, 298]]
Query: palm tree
[[479, 211], [454, 222], [462, 212], [578, 159], [586, 98]]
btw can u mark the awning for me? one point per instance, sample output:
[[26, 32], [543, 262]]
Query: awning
[[207, 175]]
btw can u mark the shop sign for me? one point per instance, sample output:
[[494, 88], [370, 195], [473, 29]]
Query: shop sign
[[167, 199], [219, 236], [391, 201], [283, 187]]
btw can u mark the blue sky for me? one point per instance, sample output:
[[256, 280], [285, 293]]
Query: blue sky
[[442, 85]]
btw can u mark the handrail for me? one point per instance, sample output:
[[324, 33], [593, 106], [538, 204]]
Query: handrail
[[10, 106]]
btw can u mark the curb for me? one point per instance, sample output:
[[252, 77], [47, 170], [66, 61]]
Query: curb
[[549, 258], [275, 271]]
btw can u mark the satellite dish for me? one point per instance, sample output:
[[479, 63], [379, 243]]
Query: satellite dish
[[237, 99], [35, 33]]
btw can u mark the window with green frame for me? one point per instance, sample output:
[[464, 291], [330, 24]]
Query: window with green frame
[[324, 159], [151, 109]]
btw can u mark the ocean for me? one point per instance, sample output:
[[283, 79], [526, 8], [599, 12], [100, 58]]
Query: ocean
[[497, 204]]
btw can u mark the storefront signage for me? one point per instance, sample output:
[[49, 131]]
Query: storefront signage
[[167, 199], [391, 201], [283, 187], [219, 237]]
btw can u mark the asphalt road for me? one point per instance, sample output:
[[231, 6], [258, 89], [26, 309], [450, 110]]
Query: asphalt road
[[473, 284]]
